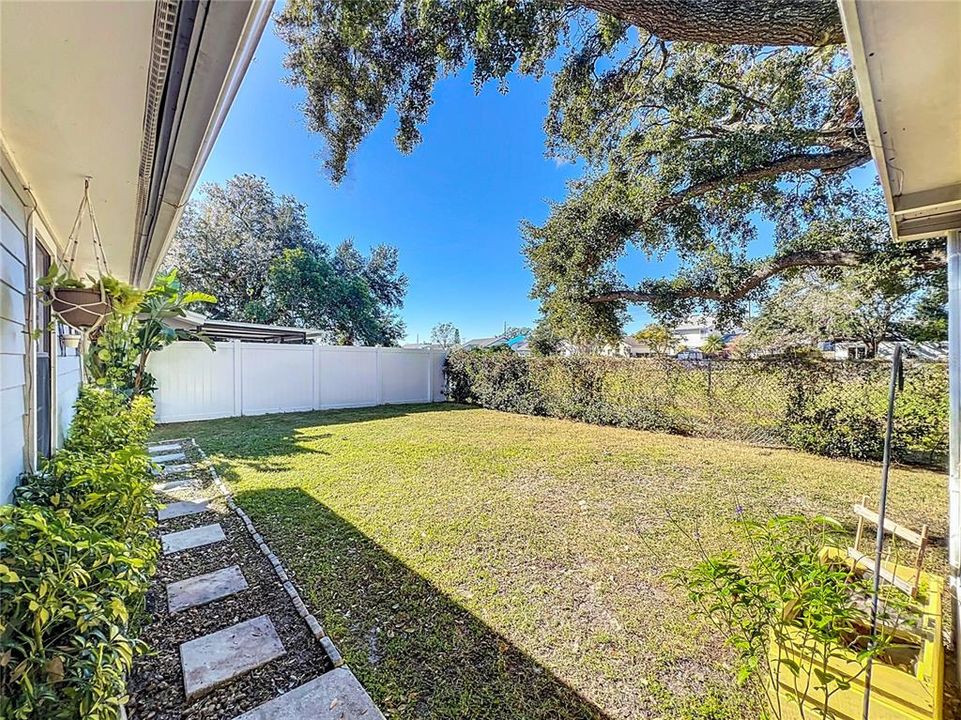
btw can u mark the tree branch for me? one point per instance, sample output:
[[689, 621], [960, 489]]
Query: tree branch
[[926, 260], [731, 22], [835, 161]]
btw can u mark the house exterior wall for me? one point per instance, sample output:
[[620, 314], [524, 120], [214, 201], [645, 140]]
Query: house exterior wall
[[13, 337], [17, 287]]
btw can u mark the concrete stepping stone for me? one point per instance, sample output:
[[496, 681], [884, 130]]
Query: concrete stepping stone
[[336, 695], [171, 485], [184, 507], [175, 469], [212, 660], [168, 457], [203, 589], [163, 448], [194, 537]]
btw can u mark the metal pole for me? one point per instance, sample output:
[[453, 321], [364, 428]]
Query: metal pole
[[882, 507], [954, 405]]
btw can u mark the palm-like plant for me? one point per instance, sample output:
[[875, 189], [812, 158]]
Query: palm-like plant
[[713, 345], [118, 357]]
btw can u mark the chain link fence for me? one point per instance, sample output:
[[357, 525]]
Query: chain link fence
[[834, 408]]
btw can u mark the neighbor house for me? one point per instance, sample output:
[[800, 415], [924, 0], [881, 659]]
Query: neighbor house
[[131, 95]]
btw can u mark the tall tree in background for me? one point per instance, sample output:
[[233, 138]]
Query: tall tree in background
[[445, 335], [846, 305], [256, 253], [694, 121], [228, 238], [658, 338]]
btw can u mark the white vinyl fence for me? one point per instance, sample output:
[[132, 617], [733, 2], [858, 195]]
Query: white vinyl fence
[[195, 383]]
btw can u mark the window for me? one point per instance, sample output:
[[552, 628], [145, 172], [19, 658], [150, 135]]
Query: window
[[42, 376]]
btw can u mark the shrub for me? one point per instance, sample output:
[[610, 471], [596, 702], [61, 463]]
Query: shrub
[[839, 409], [76, 556], [64, 588], [829, 408], [106, 420]]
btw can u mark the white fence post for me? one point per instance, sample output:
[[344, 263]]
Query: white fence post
[[316, 368], [430, 374], [238, 378], [379, 376]]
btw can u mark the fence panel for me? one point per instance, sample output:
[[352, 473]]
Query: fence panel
[[406, 377], [349, 377], [276, 378], [195, 383]]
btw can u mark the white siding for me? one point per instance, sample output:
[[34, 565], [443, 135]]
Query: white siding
[[194, 383], [13, 338], [68, 384]]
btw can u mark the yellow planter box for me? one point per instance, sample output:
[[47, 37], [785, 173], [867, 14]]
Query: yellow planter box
[[909, 686]]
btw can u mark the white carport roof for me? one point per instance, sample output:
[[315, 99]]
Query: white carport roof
[[907, 64], [130, 93]]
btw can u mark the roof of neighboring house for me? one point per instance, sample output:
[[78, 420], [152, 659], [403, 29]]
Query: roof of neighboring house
[[634, 342], [131, 94], [482, 342]]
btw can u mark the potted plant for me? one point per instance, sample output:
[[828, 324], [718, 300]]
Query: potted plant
[[82, 303]]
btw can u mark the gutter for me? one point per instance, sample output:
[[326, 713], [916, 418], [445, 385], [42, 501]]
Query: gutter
[[188, 122]]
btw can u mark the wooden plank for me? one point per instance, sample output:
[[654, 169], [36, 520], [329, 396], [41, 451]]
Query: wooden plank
[[889, 525], [862, 560]]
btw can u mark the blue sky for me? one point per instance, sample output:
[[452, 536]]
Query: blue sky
[[453, 207]]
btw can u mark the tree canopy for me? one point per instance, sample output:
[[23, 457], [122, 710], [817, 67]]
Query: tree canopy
[[867, 304], [445, 334], [255, 251], [695, 123], [659, 338]]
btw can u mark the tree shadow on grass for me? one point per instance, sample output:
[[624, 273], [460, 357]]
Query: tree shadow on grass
[[266, 442], [415, 649]]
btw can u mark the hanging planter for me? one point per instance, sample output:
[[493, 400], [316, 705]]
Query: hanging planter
[[83, 304], [80, 307]]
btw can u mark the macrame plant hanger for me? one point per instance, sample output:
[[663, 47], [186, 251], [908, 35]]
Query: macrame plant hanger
[[83, 308]]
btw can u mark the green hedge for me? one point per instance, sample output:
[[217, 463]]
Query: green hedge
[[76, 556], [831, 408]]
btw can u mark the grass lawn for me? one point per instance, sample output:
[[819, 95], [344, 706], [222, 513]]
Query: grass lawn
[[476, 564]]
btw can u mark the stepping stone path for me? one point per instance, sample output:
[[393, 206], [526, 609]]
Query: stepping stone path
[[175, 469], [171, 485], [332, 696], [216, 659], [169, 457], [194, 537], [213, 659], [202, 589], [184, 507]]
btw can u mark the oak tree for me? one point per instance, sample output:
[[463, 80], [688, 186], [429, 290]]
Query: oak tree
[[696, 122]]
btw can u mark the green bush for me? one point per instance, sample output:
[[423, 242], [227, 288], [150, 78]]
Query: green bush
[[76, 556], [104, 420], [829, 408]]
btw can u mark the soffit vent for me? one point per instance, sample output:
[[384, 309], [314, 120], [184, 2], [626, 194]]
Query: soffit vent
[[165, 28]]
